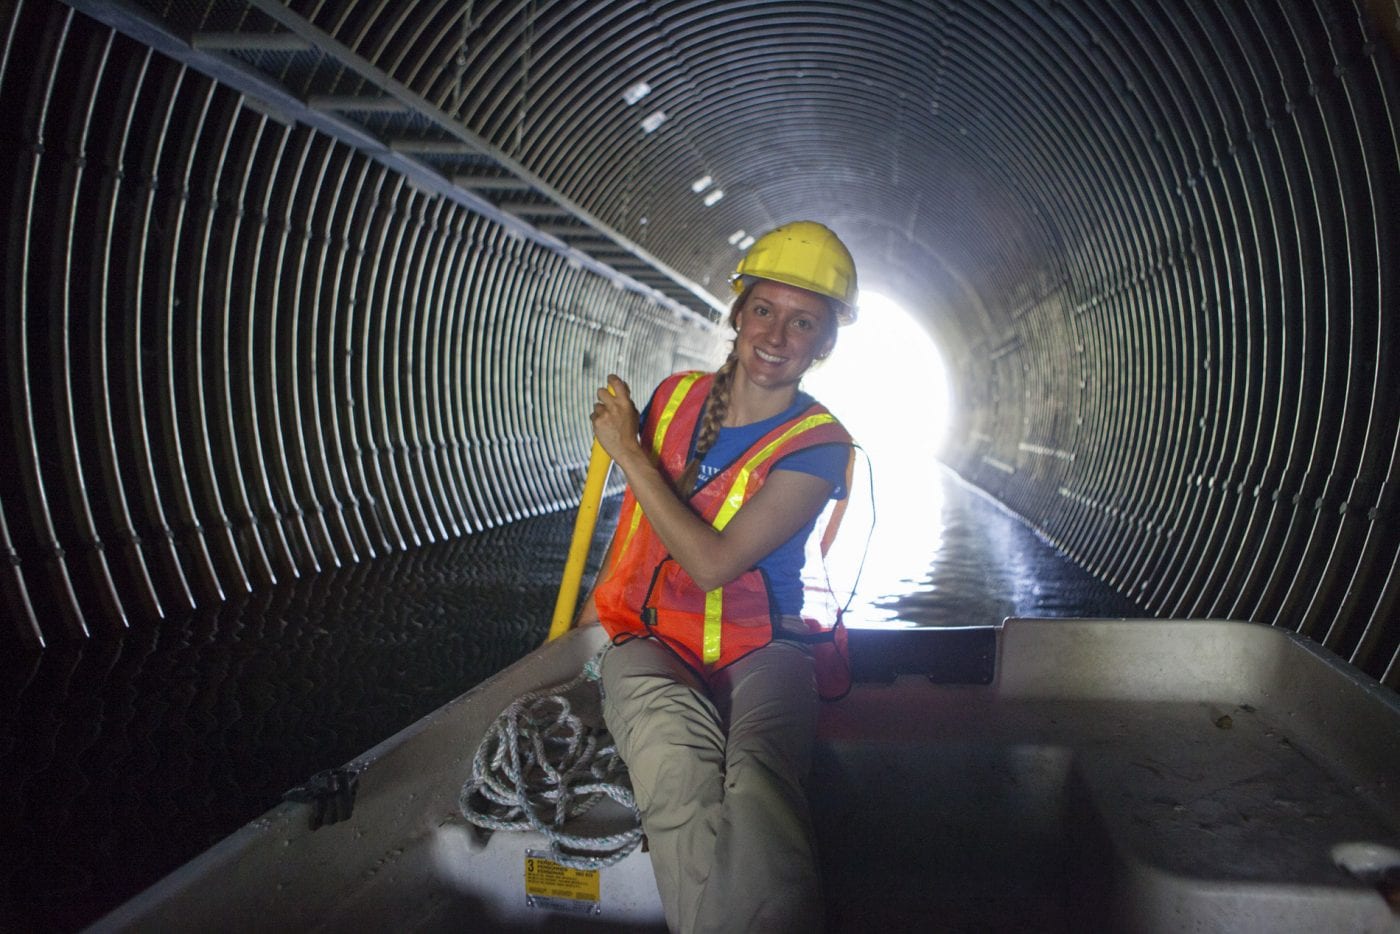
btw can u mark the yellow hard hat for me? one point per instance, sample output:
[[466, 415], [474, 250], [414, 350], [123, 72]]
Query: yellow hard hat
[[805, 254]]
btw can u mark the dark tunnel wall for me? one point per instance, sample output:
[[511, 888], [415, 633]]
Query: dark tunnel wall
[[250, 333], [238, 351]]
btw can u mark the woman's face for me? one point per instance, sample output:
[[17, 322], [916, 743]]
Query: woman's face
[[782, 329]]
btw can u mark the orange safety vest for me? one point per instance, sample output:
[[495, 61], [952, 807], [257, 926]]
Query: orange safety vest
[[644, 592]]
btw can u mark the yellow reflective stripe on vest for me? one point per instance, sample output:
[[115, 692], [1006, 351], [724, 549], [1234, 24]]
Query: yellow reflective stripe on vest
[[632, 524], [709, 637], [714, 599], [739, 488], [668, 413], [663, 423]]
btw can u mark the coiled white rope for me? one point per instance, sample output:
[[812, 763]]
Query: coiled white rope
[[540, 764]]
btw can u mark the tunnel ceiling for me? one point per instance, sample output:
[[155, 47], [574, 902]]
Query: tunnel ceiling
[[295, 285]]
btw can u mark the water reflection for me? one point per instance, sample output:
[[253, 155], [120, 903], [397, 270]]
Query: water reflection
[[887, 384], [897, 504], [944, 554], [941, 553]]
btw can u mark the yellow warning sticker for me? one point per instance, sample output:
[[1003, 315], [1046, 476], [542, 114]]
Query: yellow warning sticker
[[550, 885]]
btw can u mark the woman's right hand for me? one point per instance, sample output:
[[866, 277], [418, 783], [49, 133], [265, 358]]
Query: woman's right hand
[[616, 421]]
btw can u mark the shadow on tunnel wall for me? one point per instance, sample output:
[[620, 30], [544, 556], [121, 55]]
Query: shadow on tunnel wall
[[1155, 241]]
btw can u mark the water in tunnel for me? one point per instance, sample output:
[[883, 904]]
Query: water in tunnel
[[297, 294], [887, 383], [291, 287]]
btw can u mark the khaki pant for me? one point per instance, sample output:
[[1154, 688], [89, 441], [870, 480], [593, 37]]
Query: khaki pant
[[718, 775]]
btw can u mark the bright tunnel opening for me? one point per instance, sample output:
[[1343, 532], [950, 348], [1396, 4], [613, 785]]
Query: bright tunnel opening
[[887, 383]]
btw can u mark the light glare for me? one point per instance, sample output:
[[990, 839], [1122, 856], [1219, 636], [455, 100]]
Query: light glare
[[885, 380]]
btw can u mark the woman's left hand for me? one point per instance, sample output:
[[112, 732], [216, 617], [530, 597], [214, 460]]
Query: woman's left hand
[[615, 419]]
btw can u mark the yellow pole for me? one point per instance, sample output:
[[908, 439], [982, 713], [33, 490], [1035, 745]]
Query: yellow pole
[[598, 463]]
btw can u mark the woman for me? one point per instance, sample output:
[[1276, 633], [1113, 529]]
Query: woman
[[709, 688]]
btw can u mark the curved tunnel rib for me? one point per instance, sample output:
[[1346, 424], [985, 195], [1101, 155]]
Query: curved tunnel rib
[[316, 282]]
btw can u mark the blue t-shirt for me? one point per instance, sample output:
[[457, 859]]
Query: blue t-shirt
[[783, 566]]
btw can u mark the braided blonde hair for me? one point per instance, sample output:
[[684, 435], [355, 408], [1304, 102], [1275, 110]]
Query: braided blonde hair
[[716, 407]]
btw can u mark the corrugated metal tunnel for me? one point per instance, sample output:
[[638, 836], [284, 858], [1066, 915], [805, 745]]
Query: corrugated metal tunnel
[[292, 287]]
